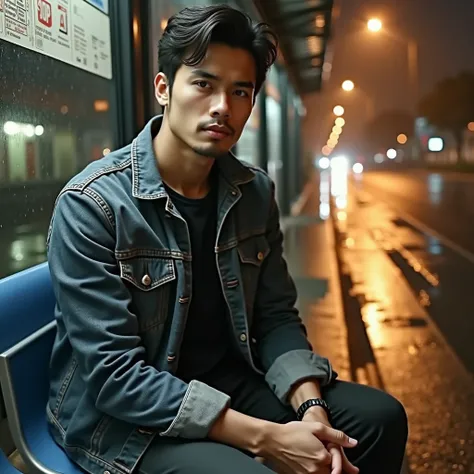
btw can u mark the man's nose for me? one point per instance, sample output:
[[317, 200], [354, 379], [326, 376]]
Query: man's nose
[[221, 106]]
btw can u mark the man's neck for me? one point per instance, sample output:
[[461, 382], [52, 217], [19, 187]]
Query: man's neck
[[181, 168]]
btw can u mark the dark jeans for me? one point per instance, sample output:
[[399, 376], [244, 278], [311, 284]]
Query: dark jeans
[[374, 418]]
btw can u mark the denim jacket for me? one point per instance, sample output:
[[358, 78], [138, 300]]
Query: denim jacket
[[120, 261]]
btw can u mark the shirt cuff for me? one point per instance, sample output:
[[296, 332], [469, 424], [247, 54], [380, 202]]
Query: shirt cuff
[[294, 366], [200, 408]]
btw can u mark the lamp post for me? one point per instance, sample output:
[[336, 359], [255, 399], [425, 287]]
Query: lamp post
[[375, 25]]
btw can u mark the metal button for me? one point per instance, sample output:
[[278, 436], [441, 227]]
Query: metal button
[[260, 256], [145, 431], [234, 193], [106, 472], [146, 280], [243, 337]]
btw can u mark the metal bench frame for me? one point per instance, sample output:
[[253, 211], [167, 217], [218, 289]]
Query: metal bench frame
[[13, 416]]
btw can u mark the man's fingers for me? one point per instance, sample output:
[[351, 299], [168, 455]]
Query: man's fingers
[[347, 466], [325, 433], [336, 458]]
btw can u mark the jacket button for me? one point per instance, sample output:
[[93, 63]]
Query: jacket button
[[243, 337], [106, 472], [234, 193], [146, 280], [260, 256]]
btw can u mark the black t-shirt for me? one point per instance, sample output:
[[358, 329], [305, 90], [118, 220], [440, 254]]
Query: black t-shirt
[[207, 336]]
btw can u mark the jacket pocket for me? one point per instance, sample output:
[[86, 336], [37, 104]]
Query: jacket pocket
[[252, 253], [253, 250], [150, 281]]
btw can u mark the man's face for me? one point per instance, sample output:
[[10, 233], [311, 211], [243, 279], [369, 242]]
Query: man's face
[[211, 102]]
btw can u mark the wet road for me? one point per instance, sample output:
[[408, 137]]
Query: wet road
[[433, 221], [442, 201], [408, 275]]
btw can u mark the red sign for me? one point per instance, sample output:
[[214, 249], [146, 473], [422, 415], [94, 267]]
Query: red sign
[[62, 19], [45, 13]]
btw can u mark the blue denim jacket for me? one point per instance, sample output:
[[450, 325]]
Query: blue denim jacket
[[120, 261]]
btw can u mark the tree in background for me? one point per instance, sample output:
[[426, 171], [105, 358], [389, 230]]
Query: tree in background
[[450, 106], [382, 132]]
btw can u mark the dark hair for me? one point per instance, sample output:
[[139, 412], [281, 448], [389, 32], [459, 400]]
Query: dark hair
[[189, 32]]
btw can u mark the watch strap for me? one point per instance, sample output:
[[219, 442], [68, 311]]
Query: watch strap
[[312, 402]]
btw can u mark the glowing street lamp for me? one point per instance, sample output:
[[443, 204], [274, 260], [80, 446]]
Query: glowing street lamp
[[391, 153], [326, 150], [374, 25], [340, 122], [402, 139], [338, 110], [348, 86]]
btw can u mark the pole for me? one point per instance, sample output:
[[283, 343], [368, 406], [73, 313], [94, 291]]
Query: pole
[[414, 85], [413, 71]]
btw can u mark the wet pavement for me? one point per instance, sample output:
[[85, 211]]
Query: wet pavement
[[413, 292]]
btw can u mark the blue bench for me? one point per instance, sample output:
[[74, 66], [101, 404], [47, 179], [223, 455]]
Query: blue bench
[[27, 331]]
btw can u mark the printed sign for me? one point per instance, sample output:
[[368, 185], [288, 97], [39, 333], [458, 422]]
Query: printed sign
[[72, 31]]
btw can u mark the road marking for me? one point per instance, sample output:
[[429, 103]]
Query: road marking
[[446, 241]]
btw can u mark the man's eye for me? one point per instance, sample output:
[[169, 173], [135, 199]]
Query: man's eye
[[202, 84], [241, 93]]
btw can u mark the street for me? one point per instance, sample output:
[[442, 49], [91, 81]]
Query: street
[[406, 259]]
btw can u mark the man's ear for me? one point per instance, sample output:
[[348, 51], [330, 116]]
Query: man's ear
[[162, 92]]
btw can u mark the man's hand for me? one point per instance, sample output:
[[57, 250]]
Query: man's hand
[[299, 448], [339, 462]]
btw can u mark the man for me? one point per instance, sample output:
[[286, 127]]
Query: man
[[179, 349]]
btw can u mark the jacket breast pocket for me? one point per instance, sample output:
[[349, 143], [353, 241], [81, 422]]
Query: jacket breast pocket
[[252, 254], [151, 284]]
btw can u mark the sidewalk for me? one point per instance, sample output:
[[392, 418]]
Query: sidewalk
[[309, 251]]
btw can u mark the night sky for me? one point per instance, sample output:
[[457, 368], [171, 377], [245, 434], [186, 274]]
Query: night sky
[[443, 30]]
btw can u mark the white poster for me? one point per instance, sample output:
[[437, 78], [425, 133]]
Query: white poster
[[2, 20], [76, 32]]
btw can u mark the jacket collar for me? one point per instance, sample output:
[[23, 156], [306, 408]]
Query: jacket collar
[[146, 180]]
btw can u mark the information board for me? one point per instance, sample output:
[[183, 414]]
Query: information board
[[76, 32]]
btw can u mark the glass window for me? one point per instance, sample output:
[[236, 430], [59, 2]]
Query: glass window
[[247, 146], [54, 119]]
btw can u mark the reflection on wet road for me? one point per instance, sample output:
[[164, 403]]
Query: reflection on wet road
[[412, 289], [442, 201]]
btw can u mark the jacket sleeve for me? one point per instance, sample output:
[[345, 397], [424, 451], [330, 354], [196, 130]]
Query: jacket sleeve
[[284, 351], [95, 306]]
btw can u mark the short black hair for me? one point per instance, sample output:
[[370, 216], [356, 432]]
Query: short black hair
[[189, 33]]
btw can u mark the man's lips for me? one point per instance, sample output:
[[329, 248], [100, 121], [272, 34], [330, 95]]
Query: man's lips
[[219, 130]]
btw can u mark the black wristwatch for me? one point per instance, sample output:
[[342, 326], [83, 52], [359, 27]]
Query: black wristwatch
[[313, 402]]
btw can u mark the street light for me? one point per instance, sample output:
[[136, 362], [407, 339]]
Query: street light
[[402, 139], [338, 110], [374, 25], [347, 86]]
